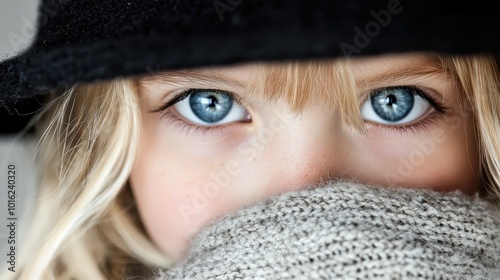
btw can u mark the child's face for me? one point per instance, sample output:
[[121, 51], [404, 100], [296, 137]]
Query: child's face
[[206, 155]]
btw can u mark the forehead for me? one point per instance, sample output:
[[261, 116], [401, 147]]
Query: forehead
[[398, 65], [362, 68], [233, 75]]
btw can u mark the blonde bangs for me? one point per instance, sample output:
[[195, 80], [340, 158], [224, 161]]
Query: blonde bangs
[[328, 83]]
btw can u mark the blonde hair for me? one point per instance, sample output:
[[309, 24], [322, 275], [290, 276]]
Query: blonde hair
[[85, 224], [479, 77]]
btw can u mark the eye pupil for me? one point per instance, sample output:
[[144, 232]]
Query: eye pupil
[[210, 101], [390, 100], [392, 104]]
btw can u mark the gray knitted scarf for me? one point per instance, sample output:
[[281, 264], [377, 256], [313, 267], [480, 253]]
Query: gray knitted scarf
[[345, 230]]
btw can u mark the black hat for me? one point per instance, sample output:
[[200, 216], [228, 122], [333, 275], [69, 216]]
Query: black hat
[[90, 40]]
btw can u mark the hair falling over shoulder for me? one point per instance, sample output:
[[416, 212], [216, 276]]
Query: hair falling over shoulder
[[88, 138], [85, 224]]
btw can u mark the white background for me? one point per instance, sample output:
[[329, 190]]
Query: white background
[[16, 20]]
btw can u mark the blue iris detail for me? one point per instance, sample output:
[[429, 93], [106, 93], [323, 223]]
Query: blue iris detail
[[211, 106], [393, 104]]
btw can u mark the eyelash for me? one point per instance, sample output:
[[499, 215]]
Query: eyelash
[[413, 128], [189, 128], [183, 95]]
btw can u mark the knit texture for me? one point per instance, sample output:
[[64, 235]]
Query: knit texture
[[346, 230]]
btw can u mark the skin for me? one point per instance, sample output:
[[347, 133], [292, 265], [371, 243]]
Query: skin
[[182, 180]]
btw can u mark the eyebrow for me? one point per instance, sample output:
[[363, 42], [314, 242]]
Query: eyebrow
[[210, 78], [406, 74], [402, 77]]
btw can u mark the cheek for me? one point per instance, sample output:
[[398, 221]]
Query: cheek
[[442, 159], [154, 188], [179, 191]]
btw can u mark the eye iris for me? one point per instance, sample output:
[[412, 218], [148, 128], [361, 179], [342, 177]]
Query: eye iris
[[392, 104], [209, 106]]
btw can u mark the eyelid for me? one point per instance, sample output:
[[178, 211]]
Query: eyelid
[[185, 93]]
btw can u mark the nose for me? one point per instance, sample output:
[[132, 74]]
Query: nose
[[304, 150]]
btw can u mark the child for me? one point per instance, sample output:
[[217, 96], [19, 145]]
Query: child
[[133, 168]]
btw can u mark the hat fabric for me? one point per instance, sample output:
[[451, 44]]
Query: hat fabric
[[91, 40]]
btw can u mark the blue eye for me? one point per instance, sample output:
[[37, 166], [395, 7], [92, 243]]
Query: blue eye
[[395, 105], [210, 107]]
